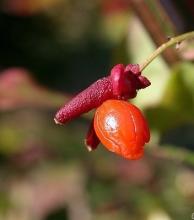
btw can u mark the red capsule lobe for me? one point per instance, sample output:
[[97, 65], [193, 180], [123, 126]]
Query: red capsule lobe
[[90, 98], [122, 83]]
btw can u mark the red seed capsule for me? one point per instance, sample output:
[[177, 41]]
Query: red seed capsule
[[122, 83], [121, 128]]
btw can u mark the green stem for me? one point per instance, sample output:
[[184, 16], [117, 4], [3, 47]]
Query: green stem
[[172, 41]]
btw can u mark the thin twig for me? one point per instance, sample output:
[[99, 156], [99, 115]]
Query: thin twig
[[169, 43]]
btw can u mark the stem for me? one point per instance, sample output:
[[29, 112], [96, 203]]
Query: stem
[[159, 50]]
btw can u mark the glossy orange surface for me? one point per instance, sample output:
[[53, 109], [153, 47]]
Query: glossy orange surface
[[122, 128]]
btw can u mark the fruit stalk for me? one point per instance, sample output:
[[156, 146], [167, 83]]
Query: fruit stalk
[[169, 43]]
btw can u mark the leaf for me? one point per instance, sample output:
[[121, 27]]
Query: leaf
[[179, 92], [163, 119], [140, 46], [177, 104]]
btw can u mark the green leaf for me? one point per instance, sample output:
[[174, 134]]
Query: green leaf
[[177, 104], [163, 119], [179, 92]]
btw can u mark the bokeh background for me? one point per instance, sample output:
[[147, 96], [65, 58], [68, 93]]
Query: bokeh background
[[52, 49]]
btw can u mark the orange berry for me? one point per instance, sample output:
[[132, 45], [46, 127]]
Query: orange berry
[[122, 128]]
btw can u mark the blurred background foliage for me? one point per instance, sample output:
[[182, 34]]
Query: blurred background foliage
[[52, 49]]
